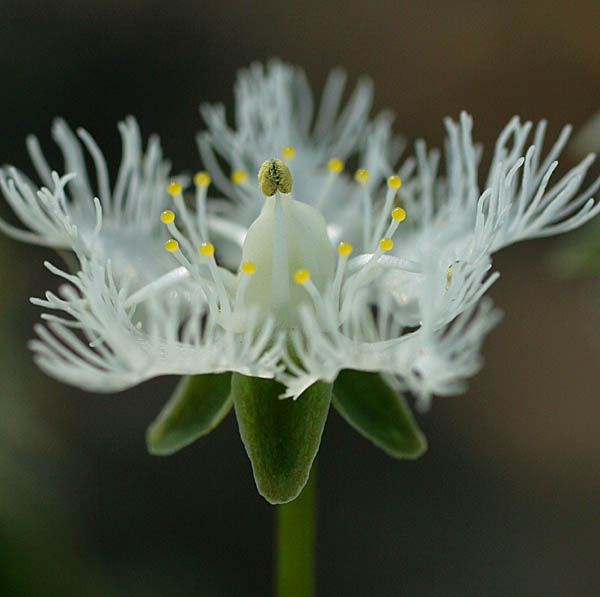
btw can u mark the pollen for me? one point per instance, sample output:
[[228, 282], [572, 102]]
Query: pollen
[[335, 165], [206, 249], [202, 179], [274, 176], [394, 182], [302, 276], [171, 245], [248, 267], [386, 244], [398, 214], [238, 176], [174, 188], [288, 152], [361, 176], [344, 248], [167, 216]]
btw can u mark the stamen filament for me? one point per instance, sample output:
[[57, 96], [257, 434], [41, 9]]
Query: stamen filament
[[176, 192], [175, 232], [398, 215], [207, 250], [355, 282], [362, 176], [202, 181], [344, 252], [335, 166], [247, 269], [393, 184]]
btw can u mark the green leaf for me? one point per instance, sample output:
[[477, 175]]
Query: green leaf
[[198, 405], [281, 437], [376, 411]]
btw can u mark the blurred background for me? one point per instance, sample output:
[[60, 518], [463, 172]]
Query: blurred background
[[507, 499]]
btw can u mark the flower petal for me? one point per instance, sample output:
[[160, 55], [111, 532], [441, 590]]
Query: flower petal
[[198, 405], [378, 413], [281, 437]]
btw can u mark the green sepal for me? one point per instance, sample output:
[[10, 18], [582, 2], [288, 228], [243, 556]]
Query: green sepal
[[198, 405], [376, 411], [281, 437]]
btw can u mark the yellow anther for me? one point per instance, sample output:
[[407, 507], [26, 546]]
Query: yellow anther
[[238, 176], [288, 152], [171, 245], [274, 176], [174, 188], [398, 214], [202, 179], [448, 277], [302, 276], [394, 182], [206, 249], [335, 165], [248, 267], [344, 248], [386, 244], [167, 216], [361, 176]]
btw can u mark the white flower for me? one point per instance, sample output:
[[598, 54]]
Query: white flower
[[304, 274]]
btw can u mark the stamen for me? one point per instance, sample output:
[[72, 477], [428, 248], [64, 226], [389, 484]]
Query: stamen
[[202, 181], [208, 250], [239, 176], [345, 248], [247, 268], [398, 215], [361, 176], [335, 166], [171, 245], [174, 189], [167, 217], [355, 282], [302, 276], [448, 277], [393, 184], [386, 244], [344, 251], [288, 153]]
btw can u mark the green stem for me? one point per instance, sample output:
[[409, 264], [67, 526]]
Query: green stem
[[295, 556]]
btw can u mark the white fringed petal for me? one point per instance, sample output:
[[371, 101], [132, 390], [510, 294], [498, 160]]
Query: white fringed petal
[[121, 224], [104, 346]]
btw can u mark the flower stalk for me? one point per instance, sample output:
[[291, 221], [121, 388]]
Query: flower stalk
[[295, 544]]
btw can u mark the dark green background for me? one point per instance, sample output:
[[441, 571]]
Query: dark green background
[[505, 502]]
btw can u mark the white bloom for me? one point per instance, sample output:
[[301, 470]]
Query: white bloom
[[330, 272]]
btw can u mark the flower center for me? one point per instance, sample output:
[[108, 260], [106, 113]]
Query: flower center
[[287, 236]]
